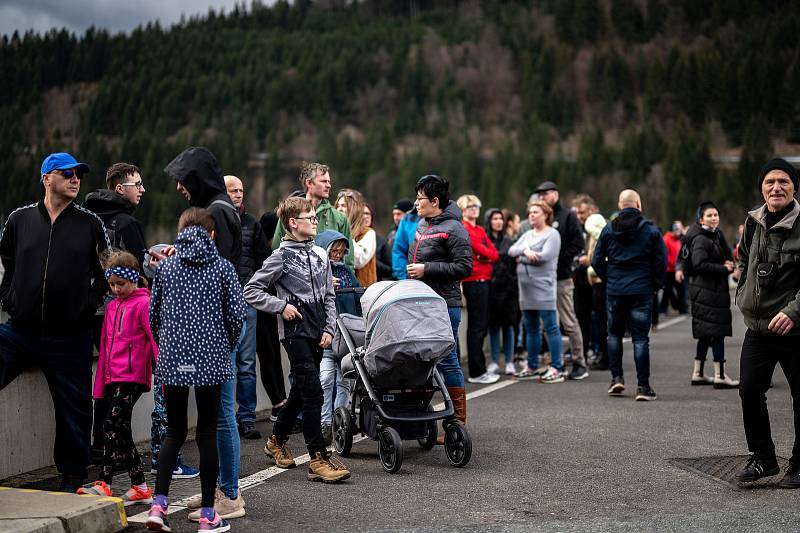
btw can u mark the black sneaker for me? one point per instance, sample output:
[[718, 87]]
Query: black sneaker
[[791, 480], [645, 394], [247, 430], [617, 386], [578, 372], [757, 468]]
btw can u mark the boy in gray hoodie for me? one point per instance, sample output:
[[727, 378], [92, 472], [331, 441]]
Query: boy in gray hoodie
[[305, 305]]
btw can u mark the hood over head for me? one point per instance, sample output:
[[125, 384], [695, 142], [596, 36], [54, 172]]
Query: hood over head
[[326, 239], [107, 202], [487, 217], [625, 228], [197, 169], [195, 247]]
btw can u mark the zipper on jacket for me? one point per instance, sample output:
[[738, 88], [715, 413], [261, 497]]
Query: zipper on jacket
[[113, 337], [46, 264], [762, 249], [419, 241], [130, 357]]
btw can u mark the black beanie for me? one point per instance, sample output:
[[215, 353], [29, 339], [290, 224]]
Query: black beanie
[[779, 164]]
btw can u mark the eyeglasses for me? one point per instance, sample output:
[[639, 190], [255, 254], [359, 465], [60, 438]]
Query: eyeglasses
[[423, 198], [139, 185], [474, 206], [312, 218], [66, 174]]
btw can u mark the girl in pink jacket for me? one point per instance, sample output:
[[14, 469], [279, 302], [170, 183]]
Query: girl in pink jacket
[[124, 372]]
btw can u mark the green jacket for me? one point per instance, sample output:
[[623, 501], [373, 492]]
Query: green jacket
[[329, 218], [780, 292]]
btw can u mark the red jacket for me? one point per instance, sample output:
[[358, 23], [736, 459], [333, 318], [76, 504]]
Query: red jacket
[[673, 245], [484, 254], [127, 349]]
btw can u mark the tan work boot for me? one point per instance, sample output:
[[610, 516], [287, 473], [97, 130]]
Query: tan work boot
[[279, 452], [325, 468], [459, 397]]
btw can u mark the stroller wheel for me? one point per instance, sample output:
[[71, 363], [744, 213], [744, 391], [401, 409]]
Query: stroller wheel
[[457, 444], [342, 431], [390, 449], [430, 439]]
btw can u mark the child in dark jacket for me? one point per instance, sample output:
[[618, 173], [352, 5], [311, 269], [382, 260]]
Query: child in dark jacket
[[305, 304], [196, 314], [330, 369], [124, 372]]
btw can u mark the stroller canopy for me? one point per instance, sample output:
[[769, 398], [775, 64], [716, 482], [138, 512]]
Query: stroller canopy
[[408, 331]]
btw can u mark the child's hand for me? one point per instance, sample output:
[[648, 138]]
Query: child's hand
[[336, 282], [326, 340], [291, 312]]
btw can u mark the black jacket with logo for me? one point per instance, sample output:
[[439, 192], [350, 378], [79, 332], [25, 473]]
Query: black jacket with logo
[[53, 282], [443, 245]]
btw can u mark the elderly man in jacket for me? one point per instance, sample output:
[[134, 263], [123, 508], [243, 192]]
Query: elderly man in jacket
[[768, 295]]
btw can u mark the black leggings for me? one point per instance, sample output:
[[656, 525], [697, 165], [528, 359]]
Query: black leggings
[[118, 442], [177, 400], [717, 345]]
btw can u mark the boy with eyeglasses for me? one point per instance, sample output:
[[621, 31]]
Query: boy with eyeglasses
[[305, 303]]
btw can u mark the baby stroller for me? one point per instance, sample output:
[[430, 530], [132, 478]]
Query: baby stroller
[[392, 355]]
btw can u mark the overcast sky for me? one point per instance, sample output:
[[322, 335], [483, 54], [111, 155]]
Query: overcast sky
[[115, 15]]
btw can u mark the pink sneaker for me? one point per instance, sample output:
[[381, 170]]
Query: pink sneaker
[[218, 525], [157, 519]]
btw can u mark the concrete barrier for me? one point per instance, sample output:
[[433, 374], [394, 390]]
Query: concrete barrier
[[24, 510]]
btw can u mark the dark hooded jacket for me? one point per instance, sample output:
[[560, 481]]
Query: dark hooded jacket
[[117, 215], [254, 247], [630, 255], [569, 228], [708, 284], [442, 244], [197, 169], [504, 294]]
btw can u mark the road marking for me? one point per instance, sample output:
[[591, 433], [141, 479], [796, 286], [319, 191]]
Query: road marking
[[261, 477], [664, 325]]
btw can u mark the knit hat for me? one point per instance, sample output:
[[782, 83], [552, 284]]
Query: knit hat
[[779, 164], [405, 205]]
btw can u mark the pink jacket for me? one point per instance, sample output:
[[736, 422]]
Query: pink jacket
[[127, 349]]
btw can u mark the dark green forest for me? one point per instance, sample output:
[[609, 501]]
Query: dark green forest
[[497, 96]]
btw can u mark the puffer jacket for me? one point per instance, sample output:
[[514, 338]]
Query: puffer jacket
[[780, 291], [708, 285], [196, 313], [127, 347], [197, 169], [254, 247], [443, 246]]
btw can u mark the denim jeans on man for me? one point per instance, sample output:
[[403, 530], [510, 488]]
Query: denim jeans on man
[[635, 311], [450, 366], [534, 337], [67, 366], [246, 370], [228, 444], [335, 389]]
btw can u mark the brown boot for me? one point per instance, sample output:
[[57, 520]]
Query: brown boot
[[279, 451], [459, 397], [324, 467]]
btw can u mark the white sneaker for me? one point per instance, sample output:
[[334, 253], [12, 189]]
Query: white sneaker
[[485, 379], [510, 369], [493, 368]]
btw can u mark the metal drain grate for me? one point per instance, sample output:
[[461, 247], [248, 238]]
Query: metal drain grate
[[722, 468]]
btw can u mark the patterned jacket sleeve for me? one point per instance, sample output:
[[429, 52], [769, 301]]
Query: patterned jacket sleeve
[[255, 290], [156, 295], [330, 302]]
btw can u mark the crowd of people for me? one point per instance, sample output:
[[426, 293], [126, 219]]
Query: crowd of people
[[563, 286]]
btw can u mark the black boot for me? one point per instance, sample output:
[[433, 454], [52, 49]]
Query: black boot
[[757, 468], [791, 480]]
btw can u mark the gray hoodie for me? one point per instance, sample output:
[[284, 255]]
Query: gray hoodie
[[302, 276]]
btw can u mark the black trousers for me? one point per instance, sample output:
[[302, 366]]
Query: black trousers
[[305, 394], [582, 298], [674, 294], [477, 296], [269, 357], [600, 318], [760, 354], [177, 400]]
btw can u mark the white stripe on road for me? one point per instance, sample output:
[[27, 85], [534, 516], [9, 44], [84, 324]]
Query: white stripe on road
[[260, 477], [668, 323]]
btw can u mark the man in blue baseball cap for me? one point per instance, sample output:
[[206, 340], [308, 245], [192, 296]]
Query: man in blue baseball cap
[[52, 286]]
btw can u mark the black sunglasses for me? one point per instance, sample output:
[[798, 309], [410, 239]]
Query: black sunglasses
[[68, 174]]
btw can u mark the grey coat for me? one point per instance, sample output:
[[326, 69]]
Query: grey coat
[[537, 282]]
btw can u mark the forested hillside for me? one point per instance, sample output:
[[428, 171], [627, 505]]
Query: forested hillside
[[497, 96]]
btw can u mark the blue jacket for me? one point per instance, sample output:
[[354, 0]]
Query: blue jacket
[[630, 255], [197, 312], [346, 298], [406, 232]]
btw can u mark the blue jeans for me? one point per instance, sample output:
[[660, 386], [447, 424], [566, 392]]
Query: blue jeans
[[508, 343], [227, 432], [450, 366], [533, 331], [246, 370], [335, 389], [636, 312], [67, 366]]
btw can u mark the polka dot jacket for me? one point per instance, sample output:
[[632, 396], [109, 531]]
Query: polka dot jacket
[[196, 313]]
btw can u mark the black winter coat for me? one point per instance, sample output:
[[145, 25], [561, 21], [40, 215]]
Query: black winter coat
[[117, 214], [569, 228], [443, 245], [708, 285], [504, 294], [254, 248]]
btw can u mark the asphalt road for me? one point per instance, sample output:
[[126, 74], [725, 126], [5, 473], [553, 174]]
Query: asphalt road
[[562, 457]]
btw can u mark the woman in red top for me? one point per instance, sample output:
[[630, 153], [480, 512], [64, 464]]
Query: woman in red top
[[476, 289]]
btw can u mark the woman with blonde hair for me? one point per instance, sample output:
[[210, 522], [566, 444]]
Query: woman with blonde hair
[[351, 203]]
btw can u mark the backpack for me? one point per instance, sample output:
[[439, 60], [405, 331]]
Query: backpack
[[113, 234]]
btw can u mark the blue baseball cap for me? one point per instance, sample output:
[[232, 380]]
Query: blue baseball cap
[[61, 161]]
